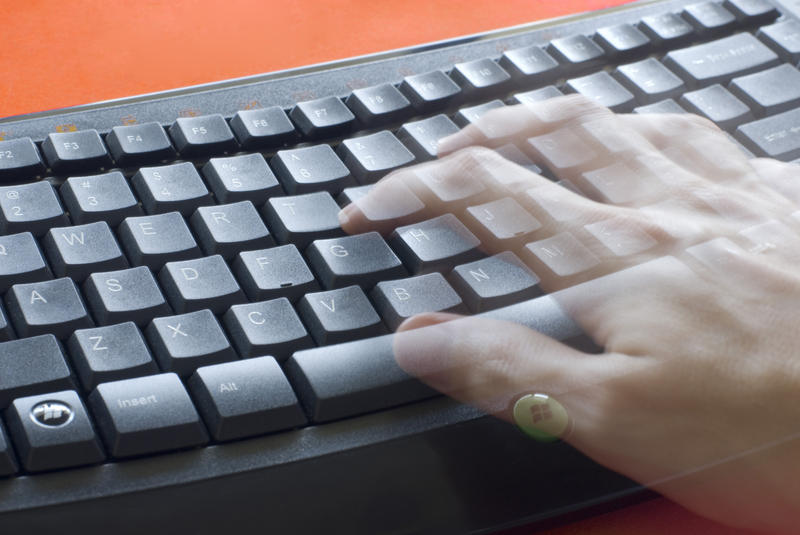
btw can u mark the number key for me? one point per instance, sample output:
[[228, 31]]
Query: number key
[[99, 198], [30, 208]]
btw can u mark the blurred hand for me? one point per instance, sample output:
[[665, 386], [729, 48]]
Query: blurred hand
[[690, 251]]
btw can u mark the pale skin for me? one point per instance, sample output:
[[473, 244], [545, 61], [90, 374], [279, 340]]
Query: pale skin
[[697, 392]]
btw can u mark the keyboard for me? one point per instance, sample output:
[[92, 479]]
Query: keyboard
[[187, 334]]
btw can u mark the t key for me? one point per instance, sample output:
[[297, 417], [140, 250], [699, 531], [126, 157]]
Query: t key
[[302, 218]]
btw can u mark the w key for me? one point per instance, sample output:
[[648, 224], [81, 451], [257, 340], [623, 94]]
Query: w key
[[80, 250]]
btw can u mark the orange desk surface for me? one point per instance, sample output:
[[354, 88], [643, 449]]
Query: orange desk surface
[[56, 54]]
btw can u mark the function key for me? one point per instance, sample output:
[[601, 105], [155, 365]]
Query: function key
[[529, 61], [105, 197], [323, 117], [371, 157], [430, 90], [139, 144], [379, 104], [481, 77], [709, 18], [667, 29], [204, 135], [19, 160], [70, 152], [30, 208], [622, 40], [578, 52], [783, 38], [246, 177], [314, 168], [752, 11], [263, 127]]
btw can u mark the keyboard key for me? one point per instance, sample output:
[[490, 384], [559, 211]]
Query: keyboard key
[[667, 29], [6, 332], [263, 127], [109, 353], [245, 398], [480, 78], [70, 152], [32, 366], [155, 240], [49, 307], [30, 208], [537, 95], [398, 300], [200, 283], [394, 206], [146, 415], [99, 198], [21, 261], [435, 245], [125, 295], [422, 137], [577, 52], [619, 237], [775, 137], [177, 187], [562, 150], [77, 251], [495, 281], [241, 178], [783, 38], [362, 259], [266, 328], [202, 136], [274, 272], [139, 144], [308, 169], [8, 465], [709, 18], [323, 117], [53, 431], [303, 218], [226, 229], [530, 61], [378, 105], [622, 40], [512, 153], [717, 61], [470, 114], [339, 315], [717, 104], [372, 156], [19, 160], [650, 81], [563, 254], [604, 90], [754, 12], [183, 343], [502, 224], [430, 90], [771, 91], [662, 106]]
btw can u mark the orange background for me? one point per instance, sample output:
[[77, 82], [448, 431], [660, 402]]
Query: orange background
[[57, 53]]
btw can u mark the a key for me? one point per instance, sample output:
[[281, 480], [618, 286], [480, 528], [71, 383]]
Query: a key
[[177, 187], [470, 114], [666, 29], [109, 353], [124, 295], [185, 342], [429, 91], [604, 90], [378, 105], [30, 208], [104, 197], [709, 18], [19, 160], [302, 218], [205, 282], [32, 366], [755, 12], [502, 224], [274, 272], [314, 168], [480, 78], [422, 137], [784, 38], [435, 245], [622, 41], [536, 95], [155, 240], [139, 144], [529, 62], [323, 117], [241, 178], [650, 81], [263, 127], [662, 106], [716, 103], [203, 135], [576, 52], [495, 281], [80, 250], [21, 261], [70, 152], [562, 254], [8, 465], [226, 229], [769, 92], [717, 61], [49, 307], [53, 431], [398, 300], [372, 156], [146, 415], [266, 328], [245, 398], [362, 259], [777, 136], [339, 315]]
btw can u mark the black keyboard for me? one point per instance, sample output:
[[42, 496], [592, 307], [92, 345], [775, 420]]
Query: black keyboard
[[188, 336]]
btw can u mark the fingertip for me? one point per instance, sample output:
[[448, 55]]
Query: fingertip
[[427, 319]]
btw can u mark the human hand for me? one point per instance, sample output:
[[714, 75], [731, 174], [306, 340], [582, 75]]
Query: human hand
[[679, 261]]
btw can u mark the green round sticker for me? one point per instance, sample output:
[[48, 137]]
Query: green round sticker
[[541, 417]]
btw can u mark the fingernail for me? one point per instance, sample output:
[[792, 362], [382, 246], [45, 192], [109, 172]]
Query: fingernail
[[541, 417], [344, 216]]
